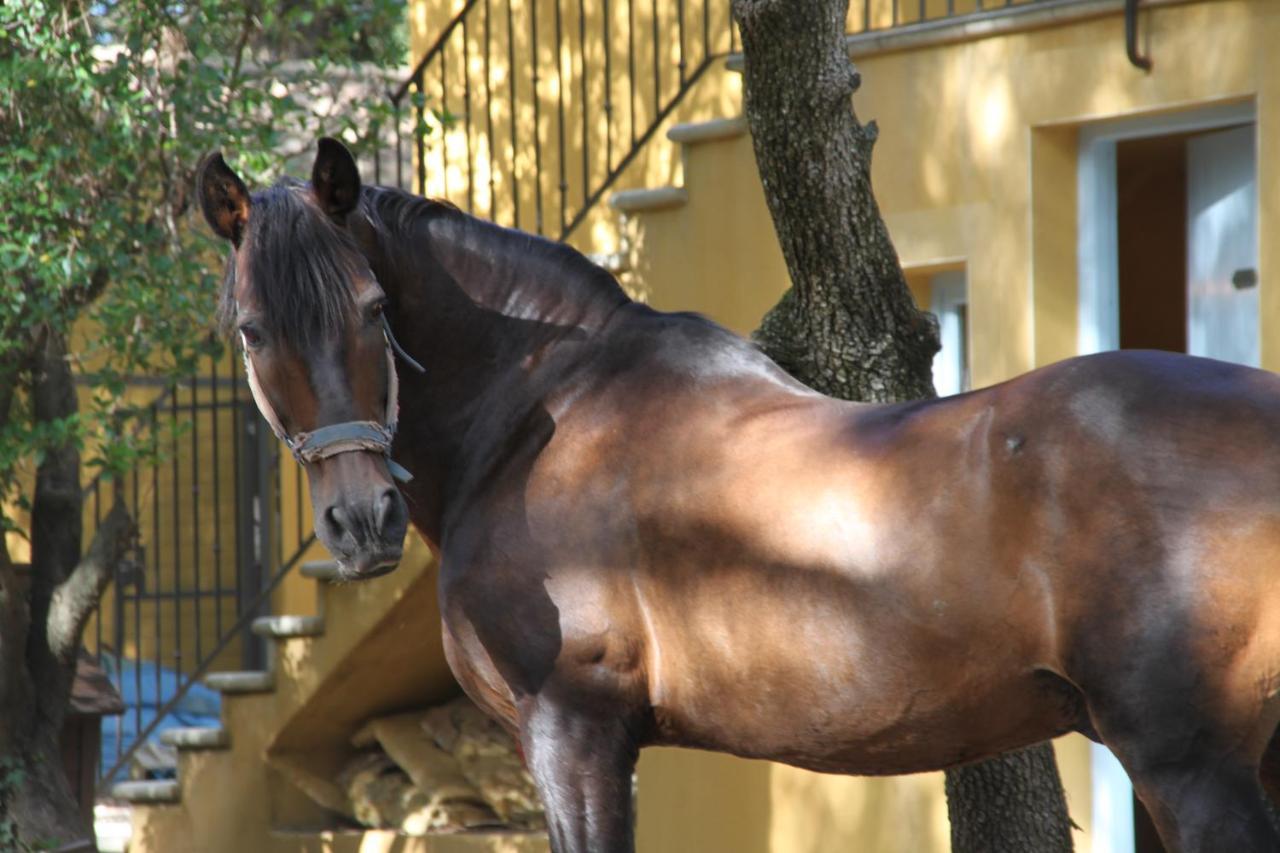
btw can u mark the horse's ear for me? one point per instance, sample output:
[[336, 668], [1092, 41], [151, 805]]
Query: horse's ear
[[223, 198], [334, 178]]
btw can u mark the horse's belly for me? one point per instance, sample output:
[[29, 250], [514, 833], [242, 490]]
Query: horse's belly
[[865, 729]]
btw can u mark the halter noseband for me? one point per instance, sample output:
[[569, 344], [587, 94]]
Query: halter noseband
[[326, 441]]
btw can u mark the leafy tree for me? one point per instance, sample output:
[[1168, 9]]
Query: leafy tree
[[848, 326], [105, 110]]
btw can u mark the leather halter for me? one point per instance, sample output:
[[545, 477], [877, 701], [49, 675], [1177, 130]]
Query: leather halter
[[330, 440]]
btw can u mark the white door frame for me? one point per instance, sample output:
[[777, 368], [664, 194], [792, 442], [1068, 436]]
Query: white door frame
[[1098, 317], [1098, 329]]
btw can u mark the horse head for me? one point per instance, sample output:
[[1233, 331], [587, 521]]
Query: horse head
[[308, 312]]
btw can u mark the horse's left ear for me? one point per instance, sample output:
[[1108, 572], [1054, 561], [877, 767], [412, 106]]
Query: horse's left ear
[[335, 179]]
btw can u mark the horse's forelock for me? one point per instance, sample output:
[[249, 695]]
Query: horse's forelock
[[298, 264]]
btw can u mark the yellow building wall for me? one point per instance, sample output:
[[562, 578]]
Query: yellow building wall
[[975, 168]]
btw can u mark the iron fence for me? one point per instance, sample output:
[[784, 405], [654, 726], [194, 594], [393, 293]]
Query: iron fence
[[212, 545]]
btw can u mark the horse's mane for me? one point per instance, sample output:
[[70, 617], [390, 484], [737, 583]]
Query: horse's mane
[[298, 259], [549, 265]]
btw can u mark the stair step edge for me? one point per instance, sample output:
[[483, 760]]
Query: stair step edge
[[149, 791], [321, 570], [655, 198], [691, 133], [211, 737], [286, 627], [614, 262], [249, 681]]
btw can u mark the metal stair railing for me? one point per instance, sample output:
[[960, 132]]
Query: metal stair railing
[[528, 112]]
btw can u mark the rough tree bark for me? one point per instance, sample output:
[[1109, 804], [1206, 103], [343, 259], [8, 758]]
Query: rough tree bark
[[848, 326], [41, 621]]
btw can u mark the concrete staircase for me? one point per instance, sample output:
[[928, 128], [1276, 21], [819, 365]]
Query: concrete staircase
[[369, 649], [694, 231]]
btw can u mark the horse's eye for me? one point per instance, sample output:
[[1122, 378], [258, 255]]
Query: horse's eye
[[251, 337], [375, 311]]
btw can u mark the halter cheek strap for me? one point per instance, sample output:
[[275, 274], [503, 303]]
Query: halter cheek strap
[[326, 441]]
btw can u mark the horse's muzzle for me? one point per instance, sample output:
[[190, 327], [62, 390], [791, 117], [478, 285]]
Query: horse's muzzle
[[365, 533]]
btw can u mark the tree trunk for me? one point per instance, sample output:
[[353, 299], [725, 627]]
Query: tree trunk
[[848, 326], [42, 623]]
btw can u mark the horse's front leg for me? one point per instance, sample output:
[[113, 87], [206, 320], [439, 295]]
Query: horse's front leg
[[582, 761]]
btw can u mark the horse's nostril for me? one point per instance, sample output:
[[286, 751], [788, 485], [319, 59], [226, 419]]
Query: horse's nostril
[[339, 522], [388, 509]]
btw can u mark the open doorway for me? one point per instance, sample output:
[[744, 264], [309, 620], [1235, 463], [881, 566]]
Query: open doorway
[[1186, 243], [1168, 242], [1168, 255]]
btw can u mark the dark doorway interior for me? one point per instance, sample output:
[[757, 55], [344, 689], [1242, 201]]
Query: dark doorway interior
[[1151, 211]]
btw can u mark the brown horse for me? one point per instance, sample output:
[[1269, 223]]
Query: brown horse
[[651, 535]]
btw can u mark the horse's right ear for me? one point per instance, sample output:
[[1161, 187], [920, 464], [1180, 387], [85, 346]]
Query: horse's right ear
[[223, 198]]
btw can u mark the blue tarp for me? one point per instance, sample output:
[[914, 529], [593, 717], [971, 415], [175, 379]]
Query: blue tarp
[[144, 687]]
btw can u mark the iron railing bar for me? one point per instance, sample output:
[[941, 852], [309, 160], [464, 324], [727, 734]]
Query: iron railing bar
[[608, 91], [217, 495], [97, 616], [537, 123], [512, 114], [420, 114], [137, 582], [680, 61], [444, 127], [635, 150], [160, 595], [297, 503], [706, 28], [466, 115], [277, 484], [488, 108], [195, 508], [157, 615], [203, 666], [237, 528], [631, 64], [137, 618], [436, 47], [560, 166], [657, 65], [177, 540], [398, 119], [582, 69]]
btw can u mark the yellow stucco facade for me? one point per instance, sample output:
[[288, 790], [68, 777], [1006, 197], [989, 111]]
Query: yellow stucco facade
[[977, 168]]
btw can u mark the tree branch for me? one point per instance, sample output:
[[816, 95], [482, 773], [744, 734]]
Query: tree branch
[[75, 598]]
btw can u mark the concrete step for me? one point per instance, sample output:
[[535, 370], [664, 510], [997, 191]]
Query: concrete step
[[150, 792], [287, 627], [321, 570], [615, 262], [657, 198], [348, 840], [251, 681], [692, 133], [197, 737]]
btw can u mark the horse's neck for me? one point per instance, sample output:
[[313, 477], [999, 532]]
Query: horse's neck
[[486, 311]]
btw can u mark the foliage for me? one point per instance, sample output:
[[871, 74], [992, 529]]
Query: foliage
[[105, 111]]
